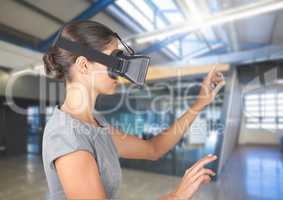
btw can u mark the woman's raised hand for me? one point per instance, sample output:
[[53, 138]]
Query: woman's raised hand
[[209, 88]]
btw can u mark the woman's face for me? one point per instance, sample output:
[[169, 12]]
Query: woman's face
[[102, 83]]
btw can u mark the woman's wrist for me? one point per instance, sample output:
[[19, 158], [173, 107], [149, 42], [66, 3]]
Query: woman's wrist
[[197, 106], [170, 196]]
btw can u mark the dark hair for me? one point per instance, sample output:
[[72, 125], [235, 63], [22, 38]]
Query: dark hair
[[89, 33]]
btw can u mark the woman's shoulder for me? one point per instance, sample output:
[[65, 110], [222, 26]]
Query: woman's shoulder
[[63, 134], [58, 122], [63, 125]]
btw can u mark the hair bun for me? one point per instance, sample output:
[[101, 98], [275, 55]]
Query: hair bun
[[52, 69]]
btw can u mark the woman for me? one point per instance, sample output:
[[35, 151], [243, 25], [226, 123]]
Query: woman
[[81, 150]]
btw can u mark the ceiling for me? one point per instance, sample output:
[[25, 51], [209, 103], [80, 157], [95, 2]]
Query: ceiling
[[27, 27]]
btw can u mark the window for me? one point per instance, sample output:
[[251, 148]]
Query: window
[[150, 16], [136, 13], [264, 111], [153, 15]]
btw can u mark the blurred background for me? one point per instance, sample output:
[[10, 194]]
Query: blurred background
[[185, 38]]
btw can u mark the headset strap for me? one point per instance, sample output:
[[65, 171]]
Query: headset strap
[[93, 54]]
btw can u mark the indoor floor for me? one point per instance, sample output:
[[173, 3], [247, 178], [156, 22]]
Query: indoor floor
[[253, 173]]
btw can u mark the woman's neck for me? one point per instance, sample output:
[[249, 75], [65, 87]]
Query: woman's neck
[[80, 102]]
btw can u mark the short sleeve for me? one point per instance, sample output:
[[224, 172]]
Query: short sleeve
[[67, 140]]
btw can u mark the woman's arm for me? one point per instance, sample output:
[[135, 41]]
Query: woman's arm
[[135, 148], [165, 141], [79, 176], [132, 147]]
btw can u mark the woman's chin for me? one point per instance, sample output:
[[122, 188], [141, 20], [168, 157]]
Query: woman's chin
[[110, 92]]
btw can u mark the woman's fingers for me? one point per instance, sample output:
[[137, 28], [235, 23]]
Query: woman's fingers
[[211, 74], [201, 163], [220, 75], [214, 80], [217, 78], [218, 87], [202, 172], [207, 180], [194, 177]]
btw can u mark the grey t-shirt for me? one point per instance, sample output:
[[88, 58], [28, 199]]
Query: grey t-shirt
[[64, 134]]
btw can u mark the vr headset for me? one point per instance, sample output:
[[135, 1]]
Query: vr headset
[[129, 65]]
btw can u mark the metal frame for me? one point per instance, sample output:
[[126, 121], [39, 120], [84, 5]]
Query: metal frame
[[39, 11], [212, 51], [92, 10], [161, 44], [19, 38]]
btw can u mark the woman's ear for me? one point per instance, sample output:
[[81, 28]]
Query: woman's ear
[[82, 64]]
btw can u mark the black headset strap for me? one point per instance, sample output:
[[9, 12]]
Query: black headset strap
[[128, 48], [92, 54]]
